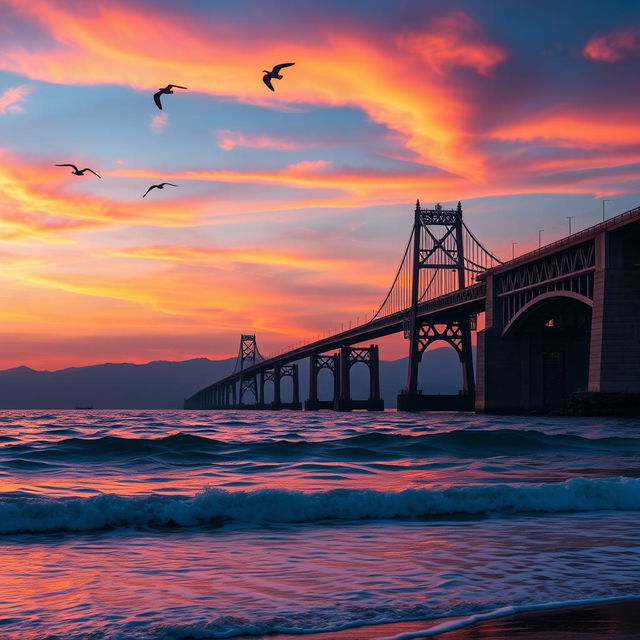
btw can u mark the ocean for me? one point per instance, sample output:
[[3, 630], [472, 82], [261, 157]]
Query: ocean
[[187, 524]]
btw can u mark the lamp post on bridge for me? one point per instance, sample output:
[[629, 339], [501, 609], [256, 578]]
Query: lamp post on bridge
[[540, 237], [603, 201], [570, 218], [513, 249]]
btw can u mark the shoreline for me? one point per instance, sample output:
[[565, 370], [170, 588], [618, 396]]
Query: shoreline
[[616, 619]]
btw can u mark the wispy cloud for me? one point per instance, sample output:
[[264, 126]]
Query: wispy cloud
[[228, 140], [613, 46], [10, 100], [159, 122]]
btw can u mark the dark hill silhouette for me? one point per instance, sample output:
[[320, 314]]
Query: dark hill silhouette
[[164, 385]]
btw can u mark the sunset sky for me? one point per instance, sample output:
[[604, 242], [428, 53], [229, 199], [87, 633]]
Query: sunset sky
[[293, 207]]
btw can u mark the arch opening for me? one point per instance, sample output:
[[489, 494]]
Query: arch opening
[[360, 376], [554, 335], [269, 391], [286, 389], [440, 369], [325, 384]]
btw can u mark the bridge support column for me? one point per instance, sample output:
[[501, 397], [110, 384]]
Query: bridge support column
[[241, 384], [615, 334], [312, 401], [343, 401], [296, 385], [466, 360], [374, 375], [277, 376], [261, 403], [348, 357], [317, 362]]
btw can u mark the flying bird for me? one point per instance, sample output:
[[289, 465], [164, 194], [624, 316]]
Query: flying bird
[[78, 172], [167, 89], [159, 186], [274, 74]]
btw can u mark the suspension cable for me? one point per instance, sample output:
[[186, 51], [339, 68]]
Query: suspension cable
[[481, 245], [395, 280]]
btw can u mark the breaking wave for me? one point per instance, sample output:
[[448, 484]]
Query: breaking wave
[[32, 514]]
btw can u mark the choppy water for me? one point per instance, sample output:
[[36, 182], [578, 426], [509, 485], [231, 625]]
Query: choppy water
[[162, 524]]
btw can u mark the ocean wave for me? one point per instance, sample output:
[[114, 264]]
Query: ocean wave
[[216, 506], [372, 446]]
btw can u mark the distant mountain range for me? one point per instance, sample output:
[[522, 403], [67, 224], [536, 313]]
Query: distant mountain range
[[164, 385]]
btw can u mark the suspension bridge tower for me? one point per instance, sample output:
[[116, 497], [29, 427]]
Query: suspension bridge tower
[[248, 356], [439, 267]]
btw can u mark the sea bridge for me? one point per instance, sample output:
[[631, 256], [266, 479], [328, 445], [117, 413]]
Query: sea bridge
[[562, 319]]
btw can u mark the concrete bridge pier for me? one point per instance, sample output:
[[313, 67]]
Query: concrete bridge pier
[[317, 362], [348, 357], [565, 323]]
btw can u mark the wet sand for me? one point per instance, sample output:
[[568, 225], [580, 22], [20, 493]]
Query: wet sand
[[610, 621]]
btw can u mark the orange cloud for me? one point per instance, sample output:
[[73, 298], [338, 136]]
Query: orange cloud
[[10, 99], [575, 130], [38, 200], [358, 186], [347, 268], [613, 46], [385, 76], [228, 140]]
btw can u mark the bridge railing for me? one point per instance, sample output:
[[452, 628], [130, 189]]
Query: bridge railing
[[574, 238]]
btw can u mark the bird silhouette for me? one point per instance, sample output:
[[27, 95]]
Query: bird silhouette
[[167, 89], [76, 171], [159, 186], [274, 74]]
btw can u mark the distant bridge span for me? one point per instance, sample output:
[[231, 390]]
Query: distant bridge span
[[552, 317]]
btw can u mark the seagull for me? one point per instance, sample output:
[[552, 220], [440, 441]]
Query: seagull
[[167, 89], [77, 171], [274, 74], [160, 186]]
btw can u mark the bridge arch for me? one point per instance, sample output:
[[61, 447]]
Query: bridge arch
[[552, 336], [538, 301]]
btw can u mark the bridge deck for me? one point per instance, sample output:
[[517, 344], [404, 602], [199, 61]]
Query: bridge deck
[[472, 298]]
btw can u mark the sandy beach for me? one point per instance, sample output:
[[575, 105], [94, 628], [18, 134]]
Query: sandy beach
[[612, 620]]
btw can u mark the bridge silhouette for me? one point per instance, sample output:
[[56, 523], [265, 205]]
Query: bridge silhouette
[[548, 332]]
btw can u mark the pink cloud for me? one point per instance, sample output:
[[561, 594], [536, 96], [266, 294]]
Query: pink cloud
[[613, 46], [454, 40], [228, 140], [11, 97], [159, 122]]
